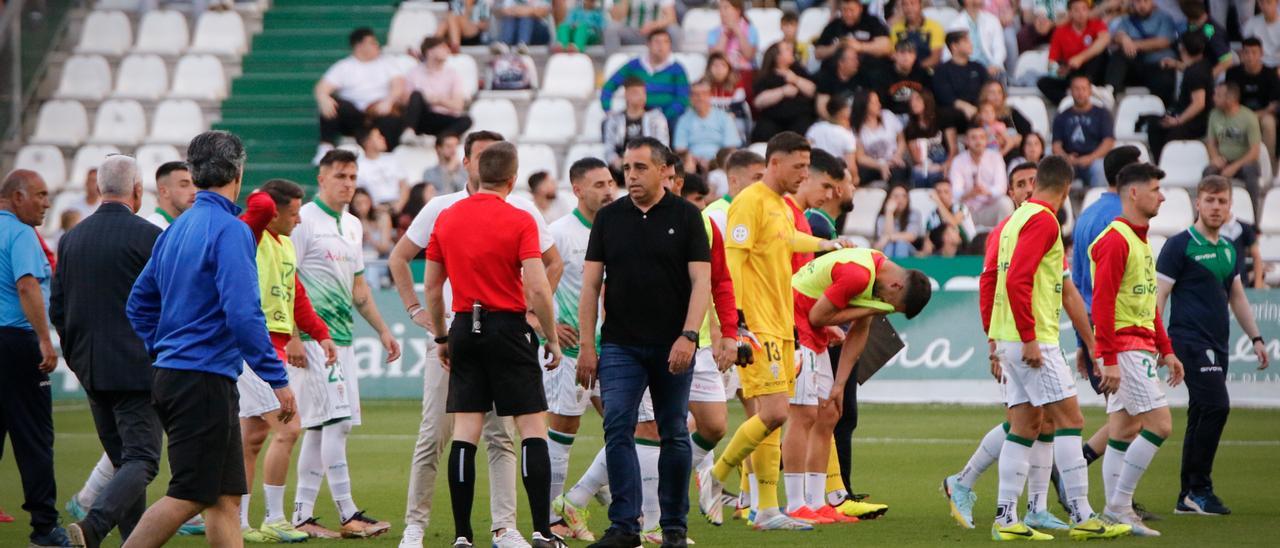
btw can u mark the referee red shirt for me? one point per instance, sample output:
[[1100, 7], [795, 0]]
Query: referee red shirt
[[481, 242]]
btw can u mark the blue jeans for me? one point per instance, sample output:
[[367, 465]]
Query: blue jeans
[[524, 30], [1095, 175], [625, 371]]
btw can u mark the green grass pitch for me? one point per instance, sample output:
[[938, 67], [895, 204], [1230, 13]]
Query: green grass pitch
[[901, 453]]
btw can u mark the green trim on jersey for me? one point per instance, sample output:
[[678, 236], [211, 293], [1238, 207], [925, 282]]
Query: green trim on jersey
[[337, 216], [168, 218], [582, 218], [1218, 258]]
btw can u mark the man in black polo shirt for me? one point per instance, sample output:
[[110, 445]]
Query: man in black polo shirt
[[957, 83], [653, 248], [867, 35], [1198, 269]]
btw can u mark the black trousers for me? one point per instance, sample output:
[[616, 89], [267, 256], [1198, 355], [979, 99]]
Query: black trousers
[[1123, 71], [424, 121], [1207, 410], [350, 119], [848, 420], [131, 434], [1055, 88], [26, 415]]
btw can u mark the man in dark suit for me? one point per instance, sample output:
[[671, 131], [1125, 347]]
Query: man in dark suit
[[98, 262]]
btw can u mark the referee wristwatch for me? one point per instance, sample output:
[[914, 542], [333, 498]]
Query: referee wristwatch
[[691, 335]]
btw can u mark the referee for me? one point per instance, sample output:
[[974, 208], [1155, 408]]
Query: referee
[[480, 245]]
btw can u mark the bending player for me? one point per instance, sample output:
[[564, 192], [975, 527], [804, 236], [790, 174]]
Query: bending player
[[1131, 339]]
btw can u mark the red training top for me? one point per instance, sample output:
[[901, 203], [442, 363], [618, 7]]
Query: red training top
[[1038, 235], [261, 209], [722, 287], [814, 339], [481, 242], [1067, 42], [1110, 254]]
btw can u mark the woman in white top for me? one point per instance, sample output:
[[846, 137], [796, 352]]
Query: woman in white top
[[835, 134], [881, 148]]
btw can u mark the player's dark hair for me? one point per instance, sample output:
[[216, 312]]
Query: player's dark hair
[[1213, 184], [1053, 174], [1138, 174], [482, 135], [694, 184], [821, 161], [918, 292], [786, 142], [1117, 159], [580, 168], [337, 156], [359, 35], [170, 167], [658, 151], [282, 191], [498, 164], [742, 158]]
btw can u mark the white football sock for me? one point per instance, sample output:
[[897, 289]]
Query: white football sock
[[244, 512], [594, 479], [755, 491], [310, 474], [1041, 461], [794, 483], [275, 502], [1112, 464], [102, 473], [987, 453], [333, 450], [559, 445], [1013, 468], [701, 454], [1136, 461], [1074, 472], [648, 456], [814, 485]]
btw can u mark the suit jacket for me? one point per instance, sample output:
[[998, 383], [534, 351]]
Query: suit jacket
[[98, 261]]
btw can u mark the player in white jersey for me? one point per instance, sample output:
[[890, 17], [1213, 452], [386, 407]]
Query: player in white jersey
[[436, 429], [328, 244], [176, 194]]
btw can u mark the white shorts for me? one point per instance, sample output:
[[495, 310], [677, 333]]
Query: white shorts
[[1039, 386], [708, 383], [731, 382], [814, 381], [645, 413], [326, 394], [565, 397], [256, 396], [1140, 389]]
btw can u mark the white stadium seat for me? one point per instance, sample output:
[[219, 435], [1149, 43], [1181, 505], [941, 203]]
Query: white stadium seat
[[119, 122], [615, 62], [592, 124], [1176, 213], [106, 32], [46, 160], [415, 160], [62, 123], [694, 63], [1092, 196], [758, 148], [922, 202], [85, 77], [1130, 108], [465, 66], [1269, 220], [550, 121], [199, 77], [697, 24], [768, 24], [569, 75], [62, 202], [532, 159], [143, 77], [148, 203], [1269, 245], [162, 32], [408, 27], [220, 33], [961, 283], [150, 158], [1157, 243], [1035, 61], [88, 157], [1144, 153], [495, 115], [1242, 205], [943, 14], [125, 5], [176, 121], [866, 209], [578, 152], [812, 21], [1032, 106], [1183, 162]]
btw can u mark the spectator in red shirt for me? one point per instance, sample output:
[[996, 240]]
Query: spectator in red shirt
[[1077, 47]]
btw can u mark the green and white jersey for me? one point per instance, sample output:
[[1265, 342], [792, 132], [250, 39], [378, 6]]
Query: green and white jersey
[[571, 233], [330, 256]]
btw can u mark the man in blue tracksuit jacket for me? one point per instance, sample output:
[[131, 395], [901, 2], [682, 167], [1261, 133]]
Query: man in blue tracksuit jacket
[[196, 307]]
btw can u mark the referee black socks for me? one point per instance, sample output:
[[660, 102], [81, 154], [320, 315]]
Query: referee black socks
[[536, 472], [462, 484]]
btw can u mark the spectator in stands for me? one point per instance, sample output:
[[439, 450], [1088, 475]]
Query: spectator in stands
[[92, 195], [666, 83], [636, 120], [790, 25], [1077, 47], [1243, 9], [1189, 117], [866, 35], [839, 75], [908, 77], [522, 21], [448, 175], [930, 145], [881, 148], [900, 226], [835, 133], [729, 92], [1234, 140], [1031, 151], [379, 173], [1248, 253], [378, 241], [67, 221], [583, 27], [360, 90], [957, 84], [1216, 51], [1141, 41], [993, 93], [419, 195], [923, 34], [438, 96], [784, 95], [1083, 134], [703, 129], [1265, 26], [950, 227], [1039, 18], [736, 37], [986, 35], [509, 70], [1259, 89], [467, 23], [542, 186], [633, 22], [979, 178]]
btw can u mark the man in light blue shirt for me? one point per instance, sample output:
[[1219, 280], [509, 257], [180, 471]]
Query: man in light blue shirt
[[1141, 40], [704, 130]]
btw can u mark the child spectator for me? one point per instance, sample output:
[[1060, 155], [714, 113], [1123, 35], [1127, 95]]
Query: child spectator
[[584, 26]]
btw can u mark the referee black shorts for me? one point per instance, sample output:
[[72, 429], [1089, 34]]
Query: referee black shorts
[[495, 370], [201, 415]]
